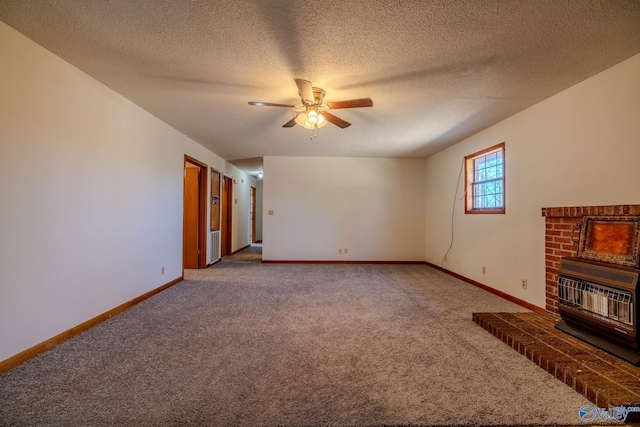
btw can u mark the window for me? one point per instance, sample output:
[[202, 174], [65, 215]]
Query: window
[[484, 181]]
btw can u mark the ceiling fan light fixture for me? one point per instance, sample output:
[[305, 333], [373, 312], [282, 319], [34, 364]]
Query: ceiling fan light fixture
[[321, 120], [311, 119], [301, 118]]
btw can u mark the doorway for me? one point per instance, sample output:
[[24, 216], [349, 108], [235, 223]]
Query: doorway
[[226, 224], [194, 253]]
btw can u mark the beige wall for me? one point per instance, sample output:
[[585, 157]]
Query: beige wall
[[373, 207], [91, 191], [579, 147]]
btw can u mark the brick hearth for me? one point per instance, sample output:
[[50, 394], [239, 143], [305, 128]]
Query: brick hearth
[[602, 378], [559, 226], [605, 380]]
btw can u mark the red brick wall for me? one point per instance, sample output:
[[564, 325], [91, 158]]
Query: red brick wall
[[559, 223]]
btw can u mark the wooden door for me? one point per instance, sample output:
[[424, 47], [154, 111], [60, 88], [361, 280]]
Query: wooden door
[[253, 214], [225, 226], [194, 227], [191, 216]]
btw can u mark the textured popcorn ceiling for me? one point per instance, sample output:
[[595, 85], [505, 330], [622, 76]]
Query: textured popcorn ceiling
[[437, 71]]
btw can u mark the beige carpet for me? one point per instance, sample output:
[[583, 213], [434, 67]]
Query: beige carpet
[[246, 344]]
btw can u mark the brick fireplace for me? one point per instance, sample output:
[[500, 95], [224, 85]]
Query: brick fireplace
[[560, 234]]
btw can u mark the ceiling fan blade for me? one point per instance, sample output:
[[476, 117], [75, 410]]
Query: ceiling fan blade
[[352, 103], [336, 120], [306, 91], [291, 123], [270, 104]]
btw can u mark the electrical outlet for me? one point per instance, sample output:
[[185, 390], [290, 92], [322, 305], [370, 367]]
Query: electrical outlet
[[162, 271], [523, 283], [484, 270], [339, 251], [346, 251]]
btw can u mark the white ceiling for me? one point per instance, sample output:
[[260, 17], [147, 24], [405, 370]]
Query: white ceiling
[[437, 71]]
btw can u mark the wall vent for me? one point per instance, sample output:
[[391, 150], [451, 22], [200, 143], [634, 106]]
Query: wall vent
[[215, 246]]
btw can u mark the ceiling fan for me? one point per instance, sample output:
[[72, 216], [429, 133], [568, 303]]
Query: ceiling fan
[[313, 113]]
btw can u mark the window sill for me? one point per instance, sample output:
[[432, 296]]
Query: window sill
[[486, 211]]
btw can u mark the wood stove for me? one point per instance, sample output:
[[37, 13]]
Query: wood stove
[[597, 291]]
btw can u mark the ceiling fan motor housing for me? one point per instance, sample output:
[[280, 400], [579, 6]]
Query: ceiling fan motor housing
[[318, 95]]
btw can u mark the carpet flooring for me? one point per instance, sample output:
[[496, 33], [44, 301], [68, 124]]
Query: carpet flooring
[[246, 344], [606, 380]]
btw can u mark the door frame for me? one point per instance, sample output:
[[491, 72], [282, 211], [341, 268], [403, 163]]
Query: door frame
[[226, 227], [253, 213], [218, 202], [202, 211]]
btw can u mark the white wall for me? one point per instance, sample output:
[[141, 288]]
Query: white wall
[[373, 207], [91, 189], [579, 147]]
